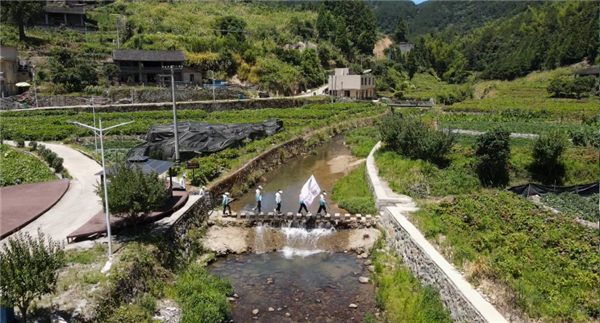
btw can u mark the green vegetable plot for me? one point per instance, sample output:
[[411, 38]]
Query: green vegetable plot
[[19, 168]]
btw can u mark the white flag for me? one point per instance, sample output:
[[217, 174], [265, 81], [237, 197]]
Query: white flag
[[310, 190]]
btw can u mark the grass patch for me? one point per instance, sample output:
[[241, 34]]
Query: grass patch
[[573, 205], [419, 179], [362, 140], [86, 257], [549, 262], [352, 193], [19, 168], [401, 295]]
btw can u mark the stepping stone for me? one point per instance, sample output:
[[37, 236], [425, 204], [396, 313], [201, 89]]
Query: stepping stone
[[275, 215], [269, 215], [369, 217], [260, 215], [347, 217], [308, 216], [299, 216], [289, 215], [249, 215], [337, 217], [241, 215], [358, 217], [327, 217]]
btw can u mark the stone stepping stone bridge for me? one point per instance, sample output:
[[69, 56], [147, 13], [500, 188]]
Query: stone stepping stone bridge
[[337, 219]]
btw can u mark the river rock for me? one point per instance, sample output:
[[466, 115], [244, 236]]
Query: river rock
[[271, 309], [231, 299], [371, 268], [288, 314], [363, 280], [235, 295], [255, 311], [353, 306], [368, 262]]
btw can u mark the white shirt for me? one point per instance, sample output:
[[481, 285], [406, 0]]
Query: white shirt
[[322, 199], [202, 193], [258, 196], [182, 183], [277, 197]]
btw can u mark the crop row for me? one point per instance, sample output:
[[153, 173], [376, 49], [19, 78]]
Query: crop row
[[41, 125], [19, 168]]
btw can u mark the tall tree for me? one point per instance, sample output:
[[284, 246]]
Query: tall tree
[[231, 25], [22, 14], [29, 270], [341, 37], [401, 32]]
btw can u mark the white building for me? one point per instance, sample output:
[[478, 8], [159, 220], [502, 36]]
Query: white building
[[345, 84]]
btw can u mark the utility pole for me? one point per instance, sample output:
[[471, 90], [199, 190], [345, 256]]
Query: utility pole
[[95, 134], [175, 130], [101, 131], [213, 85], [34, 88], [118, 38]]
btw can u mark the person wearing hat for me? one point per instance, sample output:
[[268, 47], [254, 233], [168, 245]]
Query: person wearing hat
[[322, 203], [226, 200], [202, 191], [258, 197], [278, 201], [302, 205], [182, 182]]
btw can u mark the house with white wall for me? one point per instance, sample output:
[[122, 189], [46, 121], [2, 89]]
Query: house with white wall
[[344, 83]]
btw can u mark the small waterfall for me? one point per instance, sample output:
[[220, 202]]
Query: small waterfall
[[260, 237], [303, 242]]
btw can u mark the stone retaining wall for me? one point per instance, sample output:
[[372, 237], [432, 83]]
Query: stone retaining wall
[[422, 259], [208, 106]]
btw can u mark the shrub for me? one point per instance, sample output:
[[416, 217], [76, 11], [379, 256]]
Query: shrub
[[20, 143], [33, 145], [202, 296], [57, 164], [133, 194], [413, 138], [547, 150], [492, 150]]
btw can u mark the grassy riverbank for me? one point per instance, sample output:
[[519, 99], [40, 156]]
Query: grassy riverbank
[[352, 193], [400, 295], [19, 168]]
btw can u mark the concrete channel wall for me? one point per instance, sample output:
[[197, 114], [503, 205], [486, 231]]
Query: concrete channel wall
[[423, 260]]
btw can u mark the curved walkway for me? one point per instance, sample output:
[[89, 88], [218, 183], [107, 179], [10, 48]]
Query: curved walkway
[[78, 205]]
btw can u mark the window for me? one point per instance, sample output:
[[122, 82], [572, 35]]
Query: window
[[191, 78]]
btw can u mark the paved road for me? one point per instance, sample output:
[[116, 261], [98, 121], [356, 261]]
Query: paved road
[[79, 204], [318, 90]]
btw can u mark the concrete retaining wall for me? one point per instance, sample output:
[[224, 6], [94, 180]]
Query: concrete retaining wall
[[208, 106], [423, 260]]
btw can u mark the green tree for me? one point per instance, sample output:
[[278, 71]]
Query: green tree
[[546, 152], [133, 194], [110, 70], [310, 68], [492, 151], [22, 14], [401, 32], [341, 37], [68, 69], [412, 65], [29, 269], [231, 25]]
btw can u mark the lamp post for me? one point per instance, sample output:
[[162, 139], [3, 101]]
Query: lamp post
[[95, 134], [101, 130], [34, 88], [175, 130], [213, 85]]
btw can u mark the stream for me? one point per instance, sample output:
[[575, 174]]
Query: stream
[[297, 274]]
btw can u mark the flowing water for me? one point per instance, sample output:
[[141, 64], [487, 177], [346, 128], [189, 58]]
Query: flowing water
[[328, 163], [295, 273]]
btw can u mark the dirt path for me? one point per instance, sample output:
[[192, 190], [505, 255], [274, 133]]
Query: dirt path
[[381, 46]]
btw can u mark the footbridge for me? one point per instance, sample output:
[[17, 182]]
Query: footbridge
[[337, 219]]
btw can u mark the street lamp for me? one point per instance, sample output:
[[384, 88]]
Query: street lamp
[[34, 88], [213, 85], [101, 130], [175, 130]]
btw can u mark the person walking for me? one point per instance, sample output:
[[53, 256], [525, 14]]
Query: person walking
[[225, 203], [258, 197], [302, 205], [202, 191], [278, 201], [322, 203]]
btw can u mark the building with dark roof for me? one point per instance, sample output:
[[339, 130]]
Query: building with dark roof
[[71, 17], [148, 66], [593, 70]]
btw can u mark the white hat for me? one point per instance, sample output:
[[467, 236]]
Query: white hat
[[260, 187], [227, 193], [184, 176], [203, 186], [324, 193], [280, 191]]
